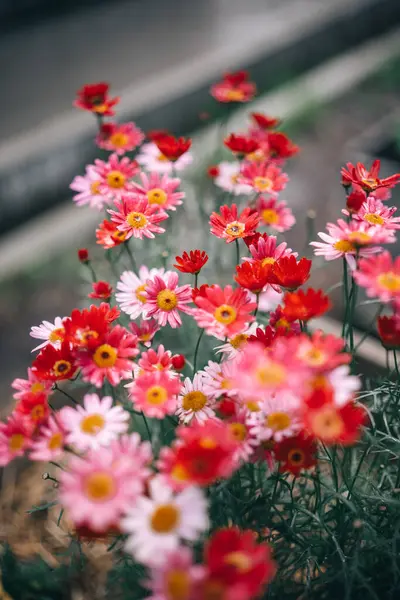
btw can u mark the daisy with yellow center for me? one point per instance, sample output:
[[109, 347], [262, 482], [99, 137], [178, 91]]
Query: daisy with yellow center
[[135, 216], [51, 333], [131, 290], [49, 444], [155, 393], [193, 402], [278, 418], [380, 275], [165, 299]]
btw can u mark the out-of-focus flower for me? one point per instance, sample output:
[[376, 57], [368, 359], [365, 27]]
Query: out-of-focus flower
[[264, 121], [88, 190], [241, 144], [15, 437], [177, 578], [296, 453], [305, 305], [234, 87], [275, 214], [49, 443], [83, 255], [171, 147], [152, 159], [380, 276], [263, 177], [155, 393], [228, 178], [94, 98], [119, 138], [102, 290], [389, 331]]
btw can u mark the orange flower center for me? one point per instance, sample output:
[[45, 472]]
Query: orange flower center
[[225, 314], [167, 300], [100, 487], [62, 367], [256, 156], [269, 216], [179, 473], [271, 374], [156, 196], [139, 293], [278, 421], [238, 341], [56, 441], [37, 388], [314, 357], [390, 281], [374, 219], [156, 395], [92, 424], [119, 236], [253, 406], [263, 184], [370, 183], [94, 187], [282, 323], [327, 424], [359, 238], [105, 356], [119, 139], [239, 431], [136, 220], [235, 229], [56, 335], [240, 560], [89, 335], [37, 412], [162, 158], [16, 442], [208, 443], [234, 95], [177, 585], [165, 518], [116, 179], [100, 108], [194, 401], [344, 246], [268, 260], [296, 457]]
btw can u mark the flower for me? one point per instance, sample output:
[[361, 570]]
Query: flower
[[389, 331], [100, 487], [263, 249], [110, 359], [152, 159], [264, 121], [227, 178], [131, 290], [35, 407], [368, 180], [94, 424], [138, 218], [238, 565], [154, 393], [321, 352], [84, 328], [213, 171], [193, 403], [15, 437], [380, 275], [281, 324], [223, 312], [234, 87], [160, 190], [171, 147], [289, 273], [55, 364], [49, 443], [160, 360], [83, 255], [253, 276], [33, 386], [241, 144], [53, 334], [94, 97], [178, 362], [102, 290], [280, 146], [230, 226], [115, 175], [241, 432], [263, 177], [336, 425], [375, 213], [119, 138], [296, 453], [235, 344], [145, 331], [355, 200], [156, 523], [108, 235], [164, 299], [177, 578], [278, 418], [218, 378], [88, 190], [192, 262], [305, 305], [275, 214]]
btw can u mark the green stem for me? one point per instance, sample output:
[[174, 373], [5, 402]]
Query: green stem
[[237, 251], [196, 277], [147, 426], [346, 296], [196, 350], [65, 393], [368, 330], [131, 257], [93, 274], [396, 366], [258, 303], [353, 301]]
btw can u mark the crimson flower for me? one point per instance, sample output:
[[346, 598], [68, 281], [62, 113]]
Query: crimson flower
[[178, 362], [355, 200], [86, 328], [171, 147], [94, 98], [36, 407], [234, 87], [83, 255], [253, 276], [264, 337], [305, 305], [231, 226], [101, 290], [201, 291], [55, 364], [213, 171], [290, 274], [368, 180], [241, 144], [280, 146], [264, 121], [389, 331], [296, 453], [192, 262]]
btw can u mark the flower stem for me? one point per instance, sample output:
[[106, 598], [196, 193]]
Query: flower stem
[[196, 350], [131, 257], [64, 393], [92, 272], [396, 365], [196, 277], [258, 303], [237, 251]]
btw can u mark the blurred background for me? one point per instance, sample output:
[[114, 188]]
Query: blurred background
[[331, 69]]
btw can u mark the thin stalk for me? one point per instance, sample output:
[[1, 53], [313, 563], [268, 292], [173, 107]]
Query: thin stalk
[[396, 366], [237, 251], [353, 301], [196, 278], [346, 296], [147, 426], [196, 350], [258, 303], [65, 393], [92, 272]]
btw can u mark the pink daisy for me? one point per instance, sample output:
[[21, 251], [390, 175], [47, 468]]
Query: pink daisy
[[375, 213], [218, 378], [177, 578], [164, 299], [88, 189], [15, 437], [380, 275], [137, 217], [275, 214], [116, 175], [227, 179], [229, 225], [347, 239], [235, 344], [242, 433], [49, 444], [278, 418], [155, 394], [111, 360], [156, 360], [266, 250], [131, 290], [320, 352], [160, 190], [119, 138], [193, 402], [264, 177], [223, 312], [52, 333], [145, 331], [151, 158], [129, 448], [33, 386], [94, 424]]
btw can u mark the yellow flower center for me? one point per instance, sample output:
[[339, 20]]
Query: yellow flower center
[[100, 487], [119, 139], [344, 246], [165, 518], [162, 158], [282, 323], [62, 367], [94, 187], [225, 314], [390, 281], [100, 108], [179, 473], [270, 374], [374, 219], [139, 293], [327, 424], [234, 95], [116, 179], [370, 183], [177, 585], [119, 236], [253, 406], [256, 156], [167, 300], [194, 401], [56, 441], [268, 260], [136, 220], [56, 335], [240, 560], [208, 443], [16, 442], [263, 184], [156, 196], [278, 421], [269, 216], [156, 394], [359, 238], [105, 356], [92, 424], [37, 412], [37, 388], [239, 431], [296, 457], [235, 178], [89, 335], [238, 341], [314, 357], [235, 229]]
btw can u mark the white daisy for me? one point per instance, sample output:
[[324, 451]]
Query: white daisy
[[157, 523], [151, 158], [130, 297], [193, 403], [233, 346], [227, 179], [52, 333], [218, 378], [277, 419], [94, 424], [343, 384]]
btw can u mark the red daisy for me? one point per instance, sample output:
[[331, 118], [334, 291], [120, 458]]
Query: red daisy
[[335, 425], [108, 235], [15, 437], [264, 121], [264, 337], [94, 97], [230, 226], [55, 364], [192, 262], [263, 177], [305, 305], [171, 147], [280, 146], [137, 217], [241, 144], [389, 331], [296, 453], [101, 290], [253, 276], [234, 87], [35, 407], [290, 273], [368, 180], [85, 328], [83, 255]]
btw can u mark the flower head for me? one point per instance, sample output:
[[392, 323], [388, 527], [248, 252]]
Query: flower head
[[35, 407], [152, 159], [177, 578], [155, 393], [234, 87], [164, 299], [264, 121], [94, 98], [49, 442], [131, 288], [263, 248], [193, 402], [192, 262], [115, 175], [253, 276], [336, 425], [160, 190], [108, 235], [171, 147], [102, 290], [156, 360], [280, 146], [278, 418], [15, 437], [291, 274], [275, 214], [33, 386], [88, 190], [51, 333], [137, 218], [263, 177], [119, 138], [305, 305], [230, 225], [218, 378], [368, 180], [55, 364], [241, 144], [296, 453], [84, 328], [375, 213], [321, 352], [145, 331], [380, 275], [389, 331], [227, 178], [83, 255]]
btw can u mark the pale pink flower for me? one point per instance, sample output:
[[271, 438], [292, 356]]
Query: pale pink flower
[[275, 214], [193, 402], [380, 276], [218, 378], [160, 190], [228, 176], [15, 437], [50, 441], [87, 187], [145, 331], [119, 138], [164, 299], [154, 393], [268, 300], [375, 213], [151, 158], [137, 454], [278, 418], [33, 386], [94, 424], [131, 287], [137, 217], [178, 572], [156, 360], [52, 333], [238, 425], [115, 175], [263, 177]]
